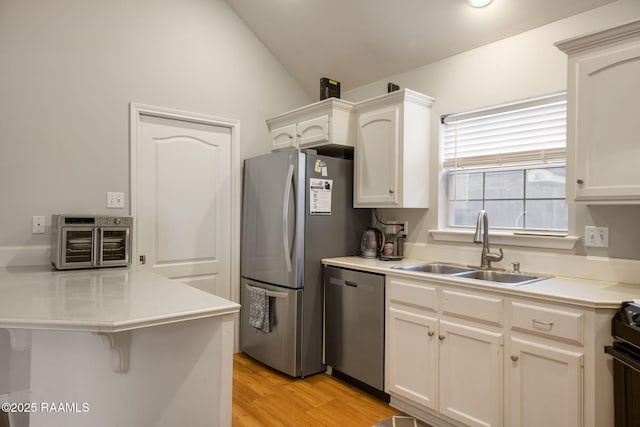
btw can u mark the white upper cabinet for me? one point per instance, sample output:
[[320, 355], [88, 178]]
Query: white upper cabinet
[[603, 130], [325, 123], [392, 151]]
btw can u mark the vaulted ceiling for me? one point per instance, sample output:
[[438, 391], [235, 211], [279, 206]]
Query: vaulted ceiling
[[362, 41]]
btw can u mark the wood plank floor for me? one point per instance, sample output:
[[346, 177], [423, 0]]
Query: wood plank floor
[[263, 397]]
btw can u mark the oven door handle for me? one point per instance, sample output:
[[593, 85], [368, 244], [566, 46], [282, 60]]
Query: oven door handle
[[623, 357]]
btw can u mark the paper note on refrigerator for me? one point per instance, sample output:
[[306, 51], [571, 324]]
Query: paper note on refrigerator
[[320, 196]]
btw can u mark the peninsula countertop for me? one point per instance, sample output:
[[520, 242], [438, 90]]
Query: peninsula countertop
[[100, 300]]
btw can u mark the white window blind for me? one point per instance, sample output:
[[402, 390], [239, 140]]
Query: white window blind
[[531, 131]]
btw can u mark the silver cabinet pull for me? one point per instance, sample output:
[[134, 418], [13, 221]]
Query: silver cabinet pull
[[514, 357], [431, 333], [441, 337], [543, 323]]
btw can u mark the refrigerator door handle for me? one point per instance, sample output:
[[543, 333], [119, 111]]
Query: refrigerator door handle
[[285, 217], [277, 294]]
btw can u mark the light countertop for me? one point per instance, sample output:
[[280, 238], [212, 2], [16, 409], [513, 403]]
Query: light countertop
[[590, 293], [100, 300]]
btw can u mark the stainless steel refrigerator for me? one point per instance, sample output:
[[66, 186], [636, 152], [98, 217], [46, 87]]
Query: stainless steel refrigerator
[[297, 209]]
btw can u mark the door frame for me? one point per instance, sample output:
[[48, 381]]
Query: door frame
[[137, 110]]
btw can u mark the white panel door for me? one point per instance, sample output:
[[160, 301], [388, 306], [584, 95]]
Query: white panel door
[[412, 349], [471, 374], [545, 386], [377, 158], [607, 129], [184, 204]]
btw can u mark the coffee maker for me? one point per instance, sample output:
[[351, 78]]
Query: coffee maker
[[393, 242]]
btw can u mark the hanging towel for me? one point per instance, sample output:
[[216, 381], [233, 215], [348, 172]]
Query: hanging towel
[[259, 309]]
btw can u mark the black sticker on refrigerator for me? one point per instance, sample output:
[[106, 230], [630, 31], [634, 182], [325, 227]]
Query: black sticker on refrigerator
[[320, 196]]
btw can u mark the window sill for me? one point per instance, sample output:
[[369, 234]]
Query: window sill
[[506, 238]]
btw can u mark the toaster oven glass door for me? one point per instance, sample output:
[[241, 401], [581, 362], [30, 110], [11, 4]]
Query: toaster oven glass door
[[114, 246], [78, 246]]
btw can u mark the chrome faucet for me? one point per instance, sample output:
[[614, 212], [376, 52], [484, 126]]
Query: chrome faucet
[[482, 225]]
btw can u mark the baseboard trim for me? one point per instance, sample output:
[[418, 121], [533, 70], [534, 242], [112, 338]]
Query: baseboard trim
[[425, 415]]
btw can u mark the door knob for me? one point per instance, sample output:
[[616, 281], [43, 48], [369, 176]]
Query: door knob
[[441, 337], [514, 357], [580, 181], [430, 333]]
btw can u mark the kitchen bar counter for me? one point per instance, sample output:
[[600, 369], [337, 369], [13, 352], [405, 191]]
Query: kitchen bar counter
[[99, 300], [113, 347], [588, 293]]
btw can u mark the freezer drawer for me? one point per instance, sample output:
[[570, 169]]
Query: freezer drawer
[[281, 347], [354, 324]]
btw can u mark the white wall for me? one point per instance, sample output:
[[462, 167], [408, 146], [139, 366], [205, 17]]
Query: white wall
[[70, 68], [518, 67]]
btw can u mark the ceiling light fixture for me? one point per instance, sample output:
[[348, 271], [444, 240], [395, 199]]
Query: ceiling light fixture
[[478, 3]]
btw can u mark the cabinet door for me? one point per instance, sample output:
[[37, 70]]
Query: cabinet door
[[607, 127], [411, 356], [471, 374], [313, 132], [377, 158], [545, 386], [283, 137]]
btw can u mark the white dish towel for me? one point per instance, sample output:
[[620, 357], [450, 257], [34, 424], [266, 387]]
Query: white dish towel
[[259, 309]]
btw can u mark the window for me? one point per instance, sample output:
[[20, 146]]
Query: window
[[509, 161]]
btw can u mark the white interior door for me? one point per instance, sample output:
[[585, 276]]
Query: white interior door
[[184, 201]]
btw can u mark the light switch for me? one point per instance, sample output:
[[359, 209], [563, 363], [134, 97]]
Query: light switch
[[596, 237], [115, 200]]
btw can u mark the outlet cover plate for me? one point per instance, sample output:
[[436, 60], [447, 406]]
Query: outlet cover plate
[[115, 200], [37, 224]]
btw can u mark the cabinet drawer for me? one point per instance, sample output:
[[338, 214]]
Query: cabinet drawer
[[486, 309], [412, 293], [548, 321]]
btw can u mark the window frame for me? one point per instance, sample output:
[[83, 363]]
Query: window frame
[[540, 238]]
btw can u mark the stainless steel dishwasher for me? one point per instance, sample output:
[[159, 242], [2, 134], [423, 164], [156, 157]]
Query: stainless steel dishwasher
[[354, 325]]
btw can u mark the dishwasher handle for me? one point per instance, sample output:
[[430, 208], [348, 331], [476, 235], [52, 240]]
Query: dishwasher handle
[[340, 282]]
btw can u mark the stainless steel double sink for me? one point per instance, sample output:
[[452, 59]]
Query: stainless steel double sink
[[492, 276]]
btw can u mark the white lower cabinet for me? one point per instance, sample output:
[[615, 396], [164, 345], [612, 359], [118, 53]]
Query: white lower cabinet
[[457, 356], [470, 372], [413, 351], [447, 366], [545, 385]]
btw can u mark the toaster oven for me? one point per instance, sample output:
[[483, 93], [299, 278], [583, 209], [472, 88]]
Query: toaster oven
[[90, 241]]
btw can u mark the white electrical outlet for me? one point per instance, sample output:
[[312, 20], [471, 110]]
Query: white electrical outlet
[[37, 224], [596, 237], [115, 200]]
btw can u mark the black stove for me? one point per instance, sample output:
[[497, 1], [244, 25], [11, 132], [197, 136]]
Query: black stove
[[625, 328]]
